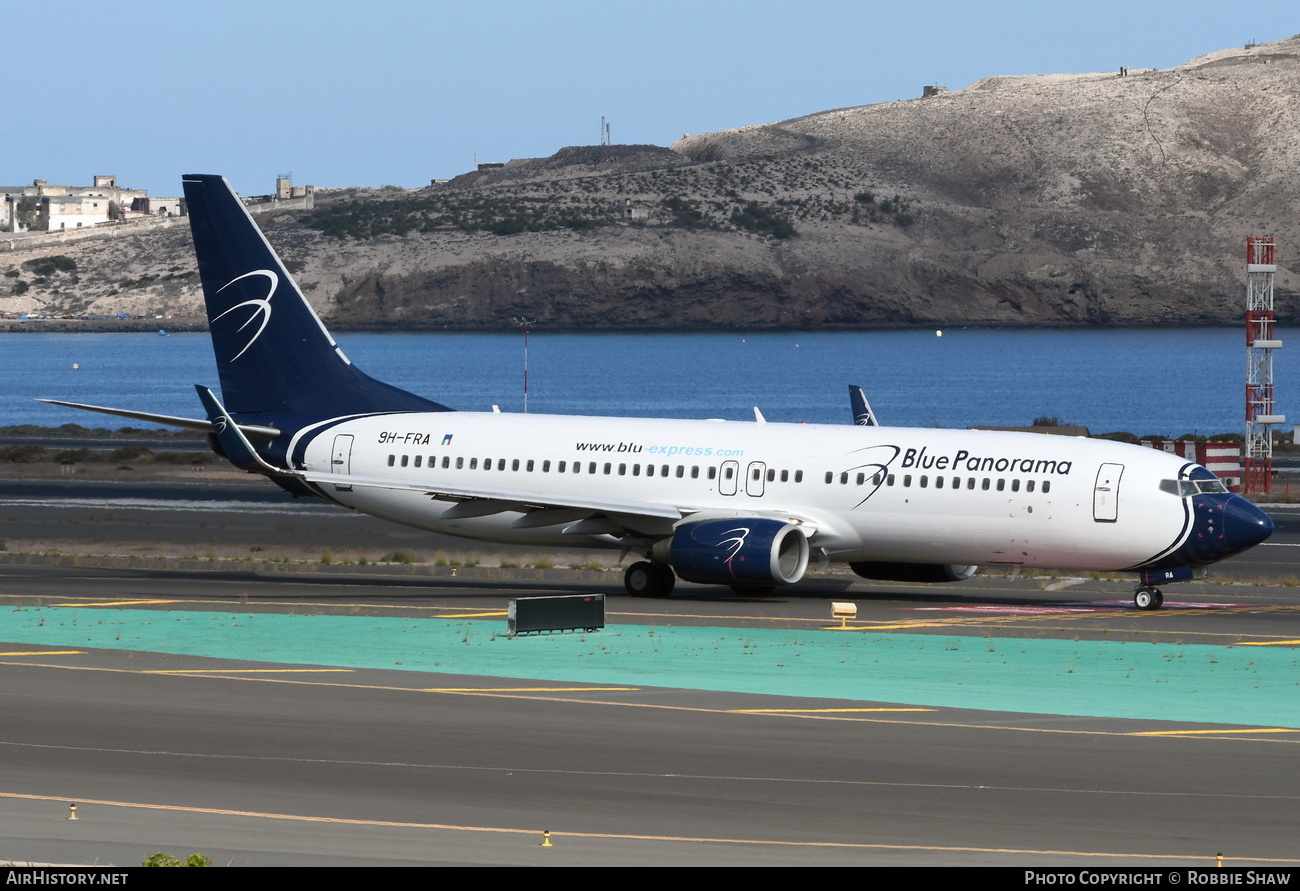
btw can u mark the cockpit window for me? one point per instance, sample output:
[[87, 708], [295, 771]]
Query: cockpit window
[[1185, 488]]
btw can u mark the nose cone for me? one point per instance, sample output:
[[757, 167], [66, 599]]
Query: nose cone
[[1244, 525]]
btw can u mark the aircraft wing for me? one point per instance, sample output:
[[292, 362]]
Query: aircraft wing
[[579, 514], [500, 499]]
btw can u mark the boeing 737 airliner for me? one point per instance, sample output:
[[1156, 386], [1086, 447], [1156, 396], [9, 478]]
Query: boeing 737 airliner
[[732, 503]]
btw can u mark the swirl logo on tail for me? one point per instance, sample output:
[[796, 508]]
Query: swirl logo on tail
[[261, 306]]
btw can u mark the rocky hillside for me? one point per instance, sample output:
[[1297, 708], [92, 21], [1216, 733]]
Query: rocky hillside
[[1038, 200]]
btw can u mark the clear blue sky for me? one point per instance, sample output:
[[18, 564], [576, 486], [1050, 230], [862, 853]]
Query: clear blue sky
[[399, 92]]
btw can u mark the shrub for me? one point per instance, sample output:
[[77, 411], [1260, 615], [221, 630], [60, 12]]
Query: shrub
[[161, 859], [24, 454], [51, 265], [753, 217], [129, 453]]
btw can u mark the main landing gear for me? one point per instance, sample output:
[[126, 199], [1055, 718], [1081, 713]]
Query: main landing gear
[[645, 579], [1148, 597]]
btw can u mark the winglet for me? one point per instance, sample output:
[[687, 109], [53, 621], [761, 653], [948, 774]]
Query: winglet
[[234, 444], [863, 416]]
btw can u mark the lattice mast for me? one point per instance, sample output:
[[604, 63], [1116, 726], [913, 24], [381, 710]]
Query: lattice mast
[[1260, 344]]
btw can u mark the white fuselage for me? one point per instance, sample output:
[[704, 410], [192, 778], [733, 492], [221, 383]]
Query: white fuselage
[[867, 493]]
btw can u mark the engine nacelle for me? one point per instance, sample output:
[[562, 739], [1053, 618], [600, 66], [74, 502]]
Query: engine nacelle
[[741, 551], [913, 572]]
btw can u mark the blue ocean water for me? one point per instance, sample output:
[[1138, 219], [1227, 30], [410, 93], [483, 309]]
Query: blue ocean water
[[1164, 382]]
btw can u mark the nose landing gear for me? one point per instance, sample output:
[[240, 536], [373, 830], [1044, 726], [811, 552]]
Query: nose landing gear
[[1148, 597]]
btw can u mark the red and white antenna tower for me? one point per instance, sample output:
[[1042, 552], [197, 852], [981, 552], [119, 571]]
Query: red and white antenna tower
[[1260, 344]]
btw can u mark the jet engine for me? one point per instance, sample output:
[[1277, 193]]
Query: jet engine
[[913, 572], [743, 551]]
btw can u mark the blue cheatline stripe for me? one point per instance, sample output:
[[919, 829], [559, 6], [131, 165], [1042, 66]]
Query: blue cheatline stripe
[[1172, 682]]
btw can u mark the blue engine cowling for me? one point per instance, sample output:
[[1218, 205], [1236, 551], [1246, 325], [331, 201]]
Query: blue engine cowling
[[741, 551], [913, 572]]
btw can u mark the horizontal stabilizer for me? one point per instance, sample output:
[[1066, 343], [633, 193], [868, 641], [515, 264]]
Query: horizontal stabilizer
[[252, 431]]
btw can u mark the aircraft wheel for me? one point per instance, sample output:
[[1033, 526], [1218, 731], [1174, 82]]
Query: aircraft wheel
[[665, 578], [753, 590], [646, 579], [1148, 597]]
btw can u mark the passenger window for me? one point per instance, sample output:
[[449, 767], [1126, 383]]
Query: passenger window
[[636, 470], [460, 463], [713, 473], [730, 472], [473, 463], [844, 478], [798, 476], [970, 483], [546, 467], [418, 459], [878, 479], [938, 482], [862, 478], [889, 480], [695, 472], [1002, 484], [514, 465], [681, 470], [663, 471], [956, 482], [622, 470], [985, 484], [608, 467], [1047, 486], [404, 460], [529, 466], [907, 480], [1029, 486], [771, 475], [591, 468], [756, 474], [925, 480], [785, 476], [392, 459], [829, 475], [446, 461]]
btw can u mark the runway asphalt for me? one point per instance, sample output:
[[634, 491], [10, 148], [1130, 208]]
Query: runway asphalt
[[329, 714]]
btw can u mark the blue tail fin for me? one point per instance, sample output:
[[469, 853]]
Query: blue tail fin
[[273, 354]]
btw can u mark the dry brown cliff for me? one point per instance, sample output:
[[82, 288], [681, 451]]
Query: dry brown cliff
[[1056, 199]]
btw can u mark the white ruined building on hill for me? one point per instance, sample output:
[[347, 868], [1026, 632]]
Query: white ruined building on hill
[[42, 207]]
